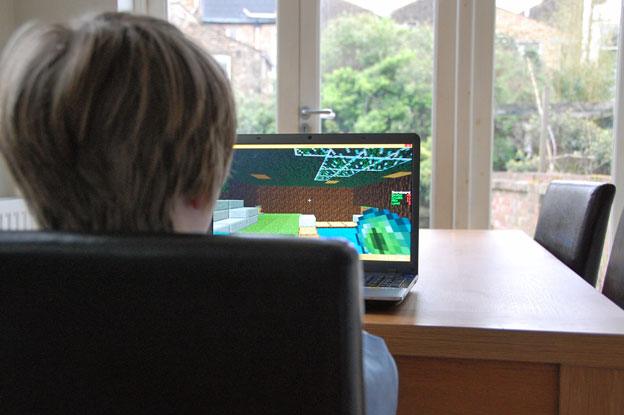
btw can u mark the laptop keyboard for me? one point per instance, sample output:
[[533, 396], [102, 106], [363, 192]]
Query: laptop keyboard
[[387, 280]]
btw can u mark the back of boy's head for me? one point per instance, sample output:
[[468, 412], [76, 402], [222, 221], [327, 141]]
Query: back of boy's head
[[104, 123]]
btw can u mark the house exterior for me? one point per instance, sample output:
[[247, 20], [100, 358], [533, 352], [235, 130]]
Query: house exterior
[[240, 34], [526, 31]]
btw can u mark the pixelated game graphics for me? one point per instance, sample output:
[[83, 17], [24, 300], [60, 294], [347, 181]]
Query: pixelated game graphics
[[399, 198], [349, 162], [383, 232]]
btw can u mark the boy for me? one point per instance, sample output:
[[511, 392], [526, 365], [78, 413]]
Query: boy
[[120, 124]]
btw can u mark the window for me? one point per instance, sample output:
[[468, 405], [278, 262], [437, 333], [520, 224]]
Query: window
[[377, 71], [554, 89], [225, 62], [242, 37]]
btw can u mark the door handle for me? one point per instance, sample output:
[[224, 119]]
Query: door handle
[[325, 113]]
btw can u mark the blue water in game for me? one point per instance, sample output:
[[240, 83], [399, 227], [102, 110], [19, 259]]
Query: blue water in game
[[346, 233]]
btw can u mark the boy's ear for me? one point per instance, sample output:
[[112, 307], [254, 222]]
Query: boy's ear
[[198, 202], [191, 215]]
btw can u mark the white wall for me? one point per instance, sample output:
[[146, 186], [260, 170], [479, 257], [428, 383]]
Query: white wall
[[59, 10], [7, 20], [13, 13], [7, 25]]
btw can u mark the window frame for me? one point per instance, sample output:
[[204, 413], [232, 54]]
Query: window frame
[[462, 111]]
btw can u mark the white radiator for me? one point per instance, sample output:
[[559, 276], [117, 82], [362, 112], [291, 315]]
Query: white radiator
[[14, 215]]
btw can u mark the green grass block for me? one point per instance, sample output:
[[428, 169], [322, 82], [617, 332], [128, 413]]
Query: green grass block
[[275, 224]]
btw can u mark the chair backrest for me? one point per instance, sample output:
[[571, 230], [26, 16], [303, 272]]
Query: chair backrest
[[572, 224], [613, 287], [179, 324]]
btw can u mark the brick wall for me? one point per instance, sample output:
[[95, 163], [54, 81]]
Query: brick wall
[[516, 197], [241, 191], [326, 203]]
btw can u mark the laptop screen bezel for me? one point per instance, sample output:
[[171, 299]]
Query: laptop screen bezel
[[362, 138]]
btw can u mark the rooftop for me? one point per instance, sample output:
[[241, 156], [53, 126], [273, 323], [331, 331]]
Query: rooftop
[[239, 11]]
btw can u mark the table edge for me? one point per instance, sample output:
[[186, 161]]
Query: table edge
[[584, 349]]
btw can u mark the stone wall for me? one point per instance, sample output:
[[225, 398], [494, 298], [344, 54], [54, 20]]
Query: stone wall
[[516, 197]]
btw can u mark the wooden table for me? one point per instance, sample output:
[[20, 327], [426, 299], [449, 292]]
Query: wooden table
[[497, 325]]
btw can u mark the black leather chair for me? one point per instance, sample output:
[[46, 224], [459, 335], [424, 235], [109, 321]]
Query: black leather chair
[[572, 224], [613, 286], [178, 324]]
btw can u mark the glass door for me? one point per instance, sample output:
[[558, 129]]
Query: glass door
[[242, 36], [555, 88], [376, 72], [555, 83], [347, 65]]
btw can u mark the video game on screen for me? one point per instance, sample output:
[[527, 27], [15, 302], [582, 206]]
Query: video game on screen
[[357, 192]]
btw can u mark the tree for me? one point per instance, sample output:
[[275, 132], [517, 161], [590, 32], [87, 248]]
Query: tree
[[256, 114], [379, 98], [377, 76], [511, 71], [580, 88], [360, 41], [513, 90], [586, 82]]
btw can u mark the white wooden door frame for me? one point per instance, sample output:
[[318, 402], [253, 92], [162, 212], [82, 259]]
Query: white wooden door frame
[[481, 113], [443, 117], [288, 63], [460, 188], [617, 164], [298, 63], [463, 101], [463, 121], [156, 8]]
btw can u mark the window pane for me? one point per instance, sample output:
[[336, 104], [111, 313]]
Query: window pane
[[554, 90], [377, 71], [242, 36]]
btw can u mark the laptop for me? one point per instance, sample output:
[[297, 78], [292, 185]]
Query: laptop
[[359, 187]]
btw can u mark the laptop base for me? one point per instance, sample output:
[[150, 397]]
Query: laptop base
[[391, 287]]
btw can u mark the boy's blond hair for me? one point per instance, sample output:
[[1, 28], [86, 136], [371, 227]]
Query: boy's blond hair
[[105, 122]]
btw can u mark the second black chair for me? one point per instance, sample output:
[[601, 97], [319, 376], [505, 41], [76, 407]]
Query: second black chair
[[572, 224], [614, 279]]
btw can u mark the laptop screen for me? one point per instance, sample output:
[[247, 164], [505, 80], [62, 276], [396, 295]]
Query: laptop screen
[[359, 192]]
